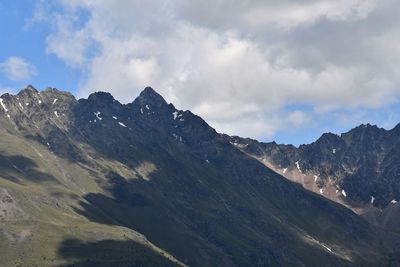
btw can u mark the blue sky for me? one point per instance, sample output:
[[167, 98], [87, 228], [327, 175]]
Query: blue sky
[[285, 71], [28, 41]]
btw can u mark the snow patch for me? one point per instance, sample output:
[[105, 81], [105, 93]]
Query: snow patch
[[284, 170], [115, 118], [175, 114], [2, 104], [55, 100], [207, 161], [236, 144], [327, 248], [39, 102], [147, 106], [298, 166], [177, 137], [393, 201], [26, 104], [141, 110], [97, 114], [21, 106], [334, 151], [315, 178], [344, 193], [123, 125], [321, 190], [56, 113], [372, 199]]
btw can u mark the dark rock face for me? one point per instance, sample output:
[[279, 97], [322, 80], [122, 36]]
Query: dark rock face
[[363, 162], [190, 190]]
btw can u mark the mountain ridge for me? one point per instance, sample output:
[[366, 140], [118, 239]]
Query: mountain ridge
[[161, 182], [364, 138]]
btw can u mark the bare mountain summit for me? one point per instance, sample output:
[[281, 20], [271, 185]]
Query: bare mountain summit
[[93, 182]]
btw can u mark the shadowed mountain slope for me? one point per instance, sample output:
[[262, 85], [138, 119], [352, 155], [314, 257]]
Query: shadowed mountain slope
[[359, 169], [93, 182], [361, 164]]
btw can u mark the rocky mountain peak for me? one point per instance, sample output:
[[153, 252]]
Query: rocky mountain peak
[[30, 88], [27, 93], [328, 139], [362, 162], [101, 97], [149, 91], [96, 166], [366, 128], [150, 97]]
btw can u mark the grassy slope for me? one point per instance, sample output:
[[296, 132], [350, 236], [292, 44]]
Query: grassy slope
[[47, 231], [72, 215]]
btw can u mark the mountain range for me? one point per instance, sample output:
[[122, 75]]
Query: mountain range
[[93, 182], [359, 169]]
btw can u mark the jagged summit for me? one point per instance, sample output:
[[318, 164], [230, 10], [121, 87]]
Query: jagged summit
[[149, 91], [31, 91], [349, 168], [150, 97], [328, 138], [366, 127], [31, 88], [101, 96], [147, 96], [28, 92], [70, 170]]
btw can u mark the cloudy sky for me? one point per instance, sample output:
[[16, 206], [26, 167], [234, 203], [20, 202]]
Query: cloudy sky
[[285, 70]]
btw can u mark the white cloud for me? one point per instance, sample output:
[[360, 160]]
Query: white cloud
[[239, 64], [266, 14], [69, 44], [17, 69]]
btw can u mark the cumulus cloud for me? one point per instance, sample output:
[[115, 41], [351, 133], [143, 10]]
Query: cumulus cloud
[[241, 65], [17, 69], [259, 15], [69, 44]]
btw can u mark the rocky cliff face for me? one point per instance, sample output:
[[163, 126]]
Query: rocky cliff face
[[93, 182], [358, 169], [361, 165]]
